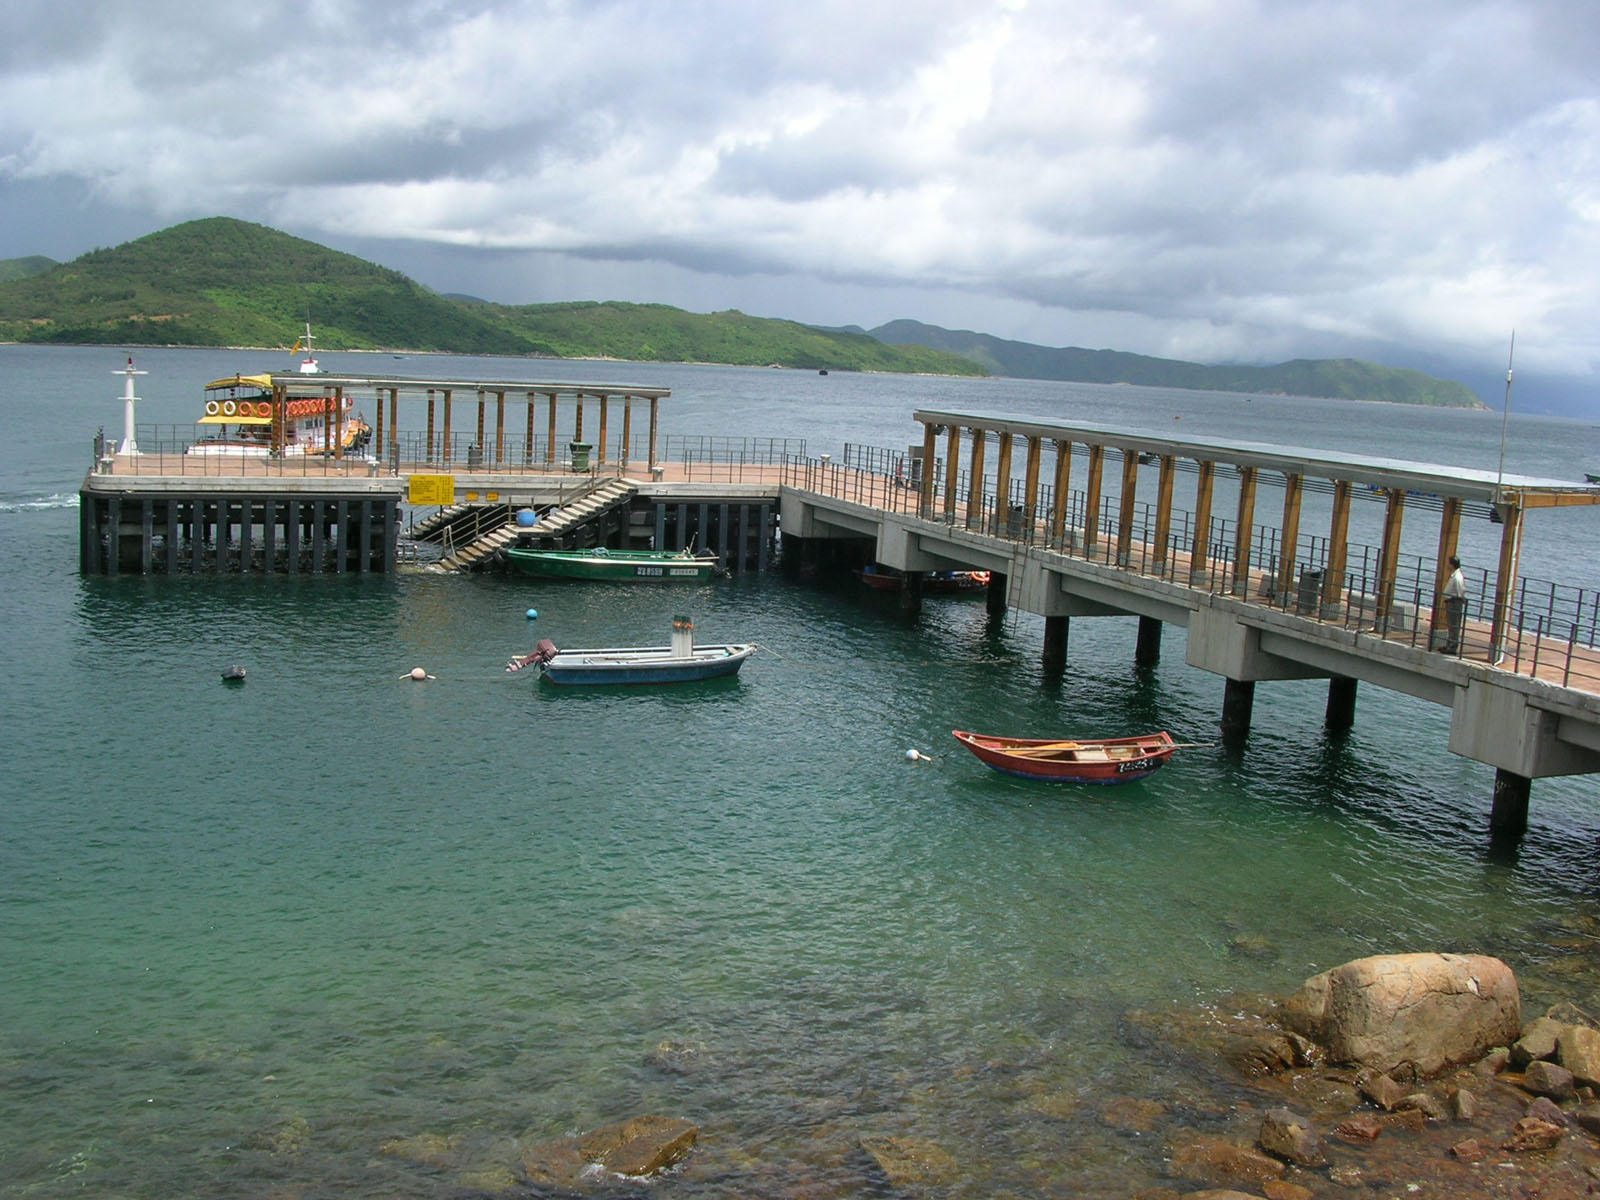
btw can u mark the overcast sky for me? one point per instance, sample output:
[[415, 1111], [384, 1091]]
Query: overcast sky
[[1214, 180]]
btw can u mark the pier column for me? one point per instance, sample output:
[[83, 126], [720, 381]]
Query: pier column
[[1063, 487], [1341, 711], [995, 597], [975, 482], [1505, 580], [444, 450], [550, 432], [499, 428], [1030, 487], [1056, 629], [1389, 555], [1338, 551], [911, 593], [952, 473], [1129, 498], [1244, 531], [1449, 535], [627, 431], [1147, 652], [600, 441], [1289, 543], [428, 452], [925, 480], [1091, 499], [655, 406], [1508, 819], [1238, 699], [1200, 548], [1163, 533], [1002, 486]]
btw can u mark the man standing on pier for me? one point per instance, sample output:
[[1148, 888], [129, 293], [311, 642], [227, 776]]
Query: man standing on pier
[[1455, 607]]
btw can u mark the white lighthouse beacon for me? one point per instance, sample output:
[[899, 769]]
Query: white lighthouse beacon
[[130, 444]]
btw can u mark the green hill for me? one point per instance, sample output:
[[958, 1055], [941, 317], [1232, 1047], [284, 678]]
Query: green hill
[[1339, 378], [221, 282], [661, 333], [22, 268]]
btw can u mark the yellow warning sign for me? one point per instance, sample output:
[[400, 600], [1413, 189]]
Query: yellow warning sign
[[431, 489]]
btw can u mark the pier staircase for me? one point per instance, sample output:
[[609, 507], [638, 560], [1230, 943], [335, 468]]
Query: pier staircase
[[604, 498], [474, 534]]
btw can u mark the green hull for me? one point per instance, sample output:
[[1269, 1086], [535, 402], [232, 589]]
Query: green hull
[[648, 566]]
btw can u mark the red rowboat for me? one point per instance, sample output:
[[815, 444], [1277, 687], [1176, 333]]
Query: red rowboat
[[1086, 760]]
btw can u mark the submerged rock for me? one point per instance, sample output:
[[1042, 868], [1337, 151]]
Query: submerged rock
[[910, 1163], [642, 1146]]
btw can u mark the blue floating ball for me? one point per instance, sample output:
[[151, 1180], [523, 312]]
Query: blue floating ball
[[527, 518], [533, 614]]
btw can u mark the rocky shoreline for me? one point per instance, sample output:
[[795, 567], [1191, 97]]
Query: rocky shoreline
[[1393, 1076]]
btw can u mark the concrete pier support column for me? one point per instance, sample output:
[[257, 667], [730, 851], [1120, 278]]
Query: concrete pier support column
[[1508, 819], [995, 600], [1238, 699], [1147, 653], [1341, 712], [1055, 643], [911, 593]]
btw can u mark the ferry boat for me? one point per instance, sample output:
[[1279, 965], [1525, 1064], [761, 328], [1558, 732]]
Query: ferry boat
[[243, 412]]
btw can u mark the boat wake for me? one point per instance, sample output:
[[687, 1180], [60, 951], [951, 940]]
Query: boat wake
[[10, 504]]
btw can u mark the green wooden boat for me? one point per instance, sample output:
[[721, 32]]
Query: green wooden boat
[[649, 566]]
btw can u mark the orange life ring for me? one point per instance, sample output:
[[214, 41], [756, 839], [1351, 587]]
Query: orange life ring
[[212, 408], [229, 408], [263, 409]]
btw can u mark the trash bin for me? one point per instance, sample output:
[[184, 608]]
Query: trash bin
[[1309, 597], [474, 457], [579, 452], [1015, 517]]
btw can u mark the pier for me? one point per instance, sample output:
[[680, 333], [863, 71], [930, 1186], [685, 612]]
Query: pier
[[1260, 603], [1255, 550]]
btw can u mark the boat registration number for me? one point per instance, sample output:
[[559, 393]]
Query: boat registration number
[[647, 571], [1136, 764]]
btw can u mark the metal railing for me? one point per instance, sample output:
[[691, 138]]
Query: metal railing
[[1552, 629]]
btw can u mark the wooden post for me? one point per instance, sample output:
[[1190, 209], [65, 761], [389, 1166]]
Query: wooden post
[[627, 429], [975, 481], [1338, 551], [499, 427], [1200, 548], [1244, 531], [394, 425], [482, 431], [1163, 533], [1091, 499], [1290, 543], [1030, 485], [428, 454], [1130, 490], [527, 446], [1505, 581], [1449, 536], [550, 432], [952, 472], [925, 482], [1002, 485], [577, 422], [1389, 555], [444, 455], [1062, 487], [600, 443], [655, 402]]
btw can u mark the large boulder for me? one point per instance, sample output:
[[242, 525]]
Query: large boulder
[[1409, 1013]]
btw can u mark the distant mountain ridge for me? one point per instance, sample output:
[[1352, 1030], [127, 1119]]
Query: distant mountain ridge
[[1338, 378], [224, 282]]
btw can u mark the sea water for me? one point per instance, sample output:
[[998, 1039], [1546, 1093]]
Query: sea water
[[255, 936]]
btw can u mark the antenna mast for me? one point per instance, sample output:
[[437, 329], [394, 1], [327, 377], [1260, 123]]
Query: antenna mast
[[1505, 419]]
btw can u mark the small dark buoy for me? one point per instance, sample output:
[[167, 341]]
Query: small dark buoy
[[233, 674]]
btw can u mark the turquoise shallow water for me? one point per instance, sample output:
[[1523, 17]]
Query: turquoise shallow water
[[252, 934]]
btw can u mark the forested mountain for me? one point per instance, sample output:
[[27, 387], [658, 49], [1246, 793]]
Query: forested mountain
[[1338, 378], [221, 282]]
